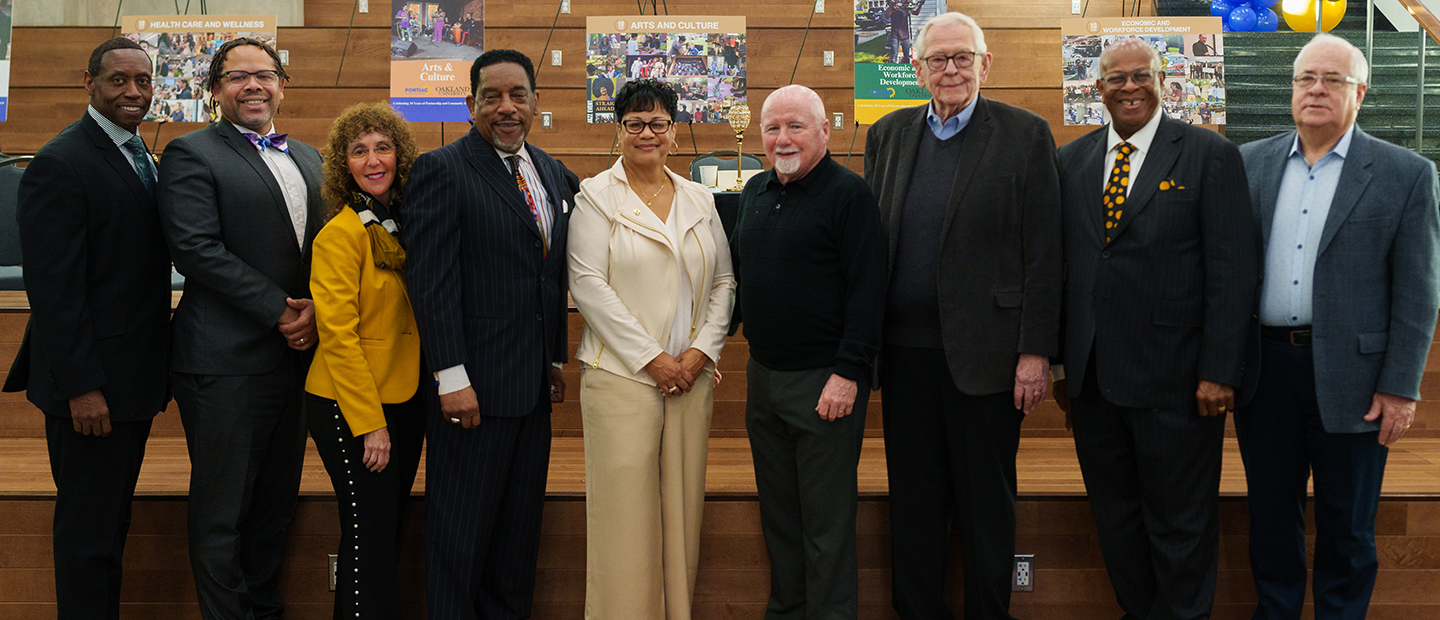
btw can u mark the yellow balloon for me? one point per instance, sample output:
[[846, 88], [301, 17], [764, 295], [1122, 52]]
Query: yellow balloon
[[1300, 14]]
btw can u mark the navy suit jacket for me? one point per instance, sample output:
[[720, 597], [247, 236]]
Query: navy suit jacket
[[1376, 290], [1171, 299], [98, 276], [485, 293]]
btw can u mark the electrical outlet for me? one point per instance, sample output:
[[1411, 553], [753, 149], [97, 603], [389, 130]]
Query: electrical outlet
[[554, 58], [819, 6], [284, 57], [837, 120], [829, 58], [364, 6], [334, 562], [565, 6], [1074, 7], [1023, 579], [546, 120]]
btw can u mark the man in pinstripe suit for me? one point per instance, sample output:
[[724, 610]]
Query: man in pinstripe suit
[[485, 232], [1162, 271]]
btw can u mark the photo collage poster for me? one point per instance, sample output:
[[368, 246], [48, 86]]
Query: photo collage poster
[[432, 45], [1192, 52], [885, 80], [702, 58], [7, 21], [181, 47]]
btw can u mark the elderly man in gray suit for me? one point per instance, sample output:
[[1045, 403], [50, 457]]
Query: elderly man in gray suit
[[239, 205], [1347, 312]]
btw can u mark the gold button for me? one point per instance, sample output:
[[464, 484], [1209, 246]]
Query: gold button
[[637, 212]]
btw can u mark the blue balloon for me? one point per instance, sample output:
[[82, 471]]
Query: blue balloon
[[1243, 19], [1225, 25], [1263, 4], [1266, 21], [1221, 8]]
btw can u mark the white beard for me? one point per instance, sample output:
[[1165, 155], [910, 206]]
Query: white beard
[[787, 165]]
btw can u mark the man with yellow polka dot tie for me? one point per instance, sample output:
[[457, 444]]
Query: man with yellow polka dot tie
[[1162, 277]]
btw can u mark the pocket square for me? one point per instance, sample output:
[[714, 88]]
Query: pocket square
[[1170, 184]]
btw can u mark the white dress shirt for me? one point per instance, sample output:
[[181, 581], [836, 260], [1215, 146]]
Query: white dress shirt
[[1141, 140], [292, 184]]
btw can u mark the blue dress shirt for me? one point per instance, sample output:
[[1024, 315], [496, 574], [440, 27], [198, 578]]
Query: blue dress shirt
[[952, 126], [1300, 210]]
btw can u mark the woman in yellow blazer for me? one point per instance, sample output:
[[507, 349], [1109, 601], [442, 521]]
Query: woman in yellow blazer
[[650, 271], [362, 404]]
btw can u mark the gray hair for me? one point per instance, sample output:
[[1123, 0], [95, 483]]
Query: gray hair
[[817, 106], [1359, 69], [1107, 56], [953, 19]]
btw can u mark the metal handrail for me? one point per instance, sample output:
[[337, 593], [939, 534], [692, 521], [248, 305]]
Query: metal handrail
[[1429, 27]]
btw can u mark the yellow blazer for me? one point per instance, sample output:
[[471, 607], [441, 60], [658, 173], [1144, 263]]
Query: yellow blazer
[[369, 350]]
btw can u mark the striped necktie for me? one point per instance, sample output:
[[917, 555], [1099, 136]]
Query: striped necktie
[[514, 161]]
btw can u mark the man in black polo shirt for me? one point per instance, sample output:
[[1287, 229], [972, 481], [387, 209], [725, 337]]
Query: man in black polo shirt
[[809, 257]]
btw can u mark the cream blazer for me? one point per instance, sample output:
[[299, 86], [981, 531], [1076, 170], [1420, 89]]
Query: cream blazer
[[625, 273]]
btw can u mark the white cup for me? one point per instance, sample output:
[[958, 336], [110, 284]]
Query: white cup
[[708, 175]]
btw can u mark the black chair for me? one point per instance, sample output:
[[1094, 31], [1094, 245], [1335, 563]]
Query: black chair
[[11, 275], [718, 158]]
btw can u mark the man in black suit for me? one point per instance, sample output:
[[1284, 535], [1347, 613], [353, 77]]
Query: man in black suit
[[485, 234], [98, 277], [971, 320], [240, 205], [1162, 272]]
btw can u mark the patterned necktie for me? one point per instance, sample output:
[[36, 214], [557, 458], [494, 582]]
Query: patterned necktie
[[274, 140], [1115, 189], [514, 161], [143, 164]]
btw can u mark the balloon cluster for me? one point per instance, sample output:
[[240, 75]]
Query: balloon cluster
[[1246, 15]]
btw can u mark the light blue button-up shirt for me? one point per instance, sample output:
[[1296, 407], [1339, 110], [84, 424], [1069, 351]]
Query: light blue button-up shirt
[[1300, 210], [949, 128]]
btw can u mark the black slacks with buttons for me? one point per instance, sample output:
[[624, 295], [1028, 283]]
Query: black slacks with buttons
[[371, 503]]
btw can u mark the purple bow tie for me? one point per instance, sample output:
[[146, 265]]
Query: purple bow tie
[[274, 140]]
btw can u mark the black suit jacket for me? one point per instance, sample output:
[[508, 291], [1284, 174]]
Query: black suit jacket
[[231, 236], [1171, 300], [98, 277], [1000, 260], [484, 293]]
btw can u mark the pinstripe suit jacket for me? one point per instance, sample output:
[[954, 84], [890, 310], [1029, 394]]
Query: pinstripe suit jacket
[[1171, 299], [485, 294], [1377, 272]]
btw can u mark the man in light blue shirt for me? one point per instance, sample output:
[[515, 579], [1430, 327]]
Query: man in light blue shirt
[[1347, 314]]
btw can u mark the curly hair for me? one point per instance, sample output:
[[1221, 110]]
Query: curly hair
[[340, 188]]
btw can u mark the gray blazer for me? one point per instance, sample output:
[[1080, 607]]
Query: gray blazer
[[231, 236], [1000, 261], [1376, 293]]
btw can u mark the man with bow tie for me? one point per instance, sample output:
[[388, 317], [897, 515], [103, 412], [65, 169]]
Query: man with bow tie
[[240, 205]]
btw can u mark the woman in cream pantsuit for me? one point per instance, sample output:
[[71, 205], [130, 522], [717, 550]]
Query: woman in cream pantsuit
[[650, 271]]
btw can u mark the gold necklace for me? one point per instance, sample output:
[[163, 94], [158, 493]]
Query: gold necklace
[[651, 199]]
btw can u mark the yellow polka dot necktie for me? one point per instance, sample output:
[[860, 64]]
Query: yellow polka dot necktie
[[1115, 189]]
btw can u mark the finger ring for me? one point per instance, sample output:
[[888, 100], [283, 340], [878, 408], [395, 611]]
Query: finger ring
[[302, 341], [674, 389], [455, 420], [1223, 409]]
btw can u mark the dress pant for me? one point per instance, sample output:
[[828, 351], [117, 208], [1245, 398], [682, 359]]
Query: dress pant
[[644, 495], [484, 495], [805, 472], [371, 504], [948, 454], [1153, 477], [246, 438], [95, 485], [1283, 441]]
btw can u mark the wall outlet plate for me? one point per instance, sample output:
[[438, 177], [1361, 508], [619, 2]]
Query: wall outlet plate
[[829, 58], [334, 562], [554, 58], [1023, 578], [284, 57], [819, 6], [364, 5], [837, 120], [1074, 7], [565, 6], [546, 120]]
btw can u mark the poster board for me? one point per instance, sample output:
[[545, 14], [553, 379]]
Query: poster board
[[885, 81], [1192, 50], [181, 48], [432, 45], [702, 57]]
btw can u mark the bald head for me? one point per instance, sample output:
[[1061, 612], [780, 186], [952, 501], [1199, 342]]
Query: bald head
[[793, 128]]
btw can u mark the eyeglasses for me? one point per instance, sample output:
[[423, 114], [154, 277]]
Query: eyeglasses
[[657, 126], [265, 76], [963, 60], [1141, 78], [1332, 81], [361, 152]]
